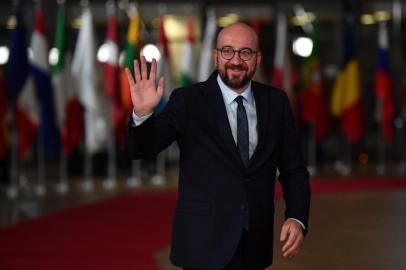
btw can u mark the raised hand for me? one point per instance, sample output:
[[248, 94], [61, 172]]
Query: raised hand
[[145, 95]]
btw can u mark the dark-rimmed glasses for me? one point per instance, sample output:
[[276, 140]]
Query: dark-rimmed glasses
[[228, 53]]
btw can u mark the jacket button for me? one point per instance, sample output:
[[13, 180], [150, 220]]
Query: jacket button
[[243, 207]]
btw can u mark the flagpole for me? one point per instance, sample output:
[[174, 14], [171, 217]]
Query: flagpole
[[345, 168], [381, 167], [343, 164], [348, 160], [111, 181], [384, 103], [131, 9], [399, 82], [402, 163], [87, 184], [135, 179], [312, 144], [12, 191], [159, 178], [62, 185], [40, 189], [311, 151]]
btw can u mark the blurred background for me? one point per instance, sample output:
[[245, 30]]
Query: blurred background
[[65, 103], [64, 99]]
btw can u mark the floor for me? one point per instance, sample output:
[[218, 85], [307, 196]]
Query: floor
[[346, 232], [356, 230]]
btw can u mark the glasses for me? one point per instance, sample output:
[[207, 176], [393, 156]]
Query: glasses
[[245, 54]]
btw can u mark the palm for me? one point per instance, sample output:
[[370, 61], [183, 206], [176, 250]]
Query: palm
[[145, 94]]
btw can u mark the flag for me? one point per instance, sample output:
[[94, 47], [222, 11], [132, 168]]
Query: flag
[[41, 73], [187, 63], [312, 97], [68, 109], [346, 94], [259, 73], [131, 53], [20, 89], [164, 68], [284, 75], [206, 63], [111, 80], [383, 85], [4, 135], [17, 68], [86, 77]]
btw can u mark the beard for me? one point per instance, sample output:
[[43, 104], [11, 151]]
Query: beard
[[236, 82]]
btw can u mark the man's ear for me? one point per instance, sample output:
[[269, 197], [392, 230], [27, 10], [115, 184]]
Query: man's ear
[[215, 55], [259, 59]]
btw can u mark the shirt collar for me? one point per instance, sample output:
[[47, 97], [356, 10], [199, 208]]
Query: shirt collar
[[229, 95]]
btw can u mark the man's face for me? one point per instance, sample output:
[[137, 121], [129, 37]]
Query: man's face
[[236, 72]]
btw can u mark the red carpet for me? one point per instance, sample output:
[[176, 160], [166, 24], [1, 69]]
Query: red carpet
[[122, 233]]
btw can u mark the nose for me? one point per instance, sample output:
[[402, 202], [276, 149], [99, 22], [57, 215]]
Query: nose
[[236, 59]]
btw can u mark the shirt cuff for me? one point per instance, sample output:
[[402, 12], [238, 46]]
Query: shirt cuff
[[138, 120], [298, 221]]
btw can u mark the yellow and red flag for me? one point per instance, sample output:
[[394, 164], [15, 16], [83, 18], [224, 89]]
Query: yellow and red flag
[[347, 93]]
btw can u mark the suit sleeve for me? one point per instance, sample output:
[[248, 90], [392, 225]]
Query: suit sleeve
[[158, 131], [294, 176]]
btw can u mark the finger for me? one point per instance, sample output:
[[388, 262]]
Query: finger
[[293, 250], [160, 89], [284, 233], [144, 70], [152, 74], [289, 242], [137, 73], [130, 79]]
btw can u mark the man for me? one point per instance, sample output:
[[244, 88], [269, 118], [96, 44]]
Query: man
[[233, 134]]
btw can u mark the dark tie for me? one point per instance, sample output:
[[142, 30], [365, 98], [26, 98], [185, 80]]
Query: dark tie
[[242, 131]]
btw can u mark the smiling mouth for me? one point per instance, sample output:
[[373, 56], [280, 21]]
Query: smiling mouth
[[236, 72], [236, 68]]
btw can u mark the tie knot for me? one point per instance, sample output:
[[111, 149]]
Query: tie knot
[[239, 100]]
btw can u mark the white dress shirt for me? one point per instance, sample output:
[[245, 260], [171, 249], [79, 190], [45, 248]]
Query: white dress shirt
[[231, 105]]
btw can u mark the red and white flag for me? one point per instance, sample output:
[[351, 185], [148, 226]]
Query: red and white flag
[[68, 109], [111, 79]]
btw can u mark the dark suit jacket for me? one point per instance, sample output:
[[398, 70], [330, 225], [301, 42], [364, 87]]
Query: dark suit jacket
[[215, 188]]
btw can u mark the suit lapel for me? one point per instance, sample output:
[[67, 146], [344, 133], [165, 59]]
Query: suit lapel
[[215, 100]]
